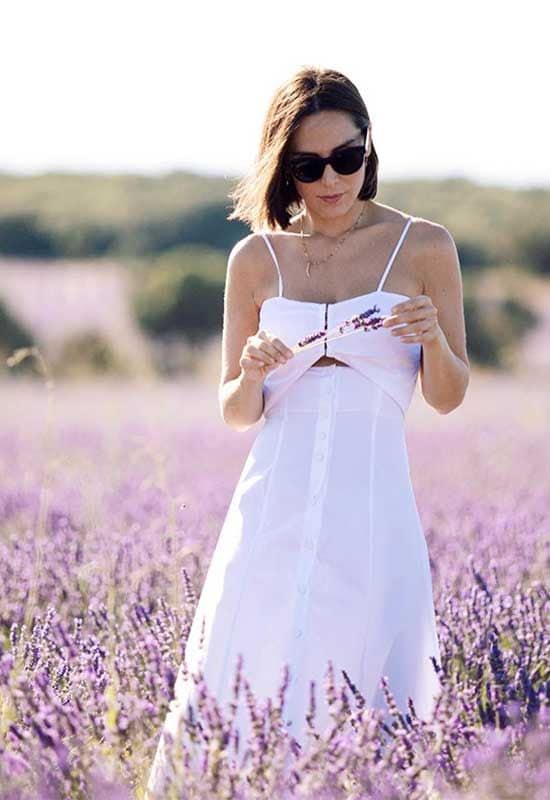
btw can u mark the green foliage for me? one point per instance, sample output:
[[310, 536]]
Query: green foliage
[[13, 335], [206, 225], [68, 198], [472, 255], [535, 247], [175, 300], [67, 214], [494, 326], [84, 240], [88, 353], [25, 234], [73, 215]]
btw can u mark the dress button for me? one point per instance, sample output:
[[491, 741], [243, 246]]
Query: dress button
[[323, 435], [315, 498], [302, 588], [309, 544], [320, 456]]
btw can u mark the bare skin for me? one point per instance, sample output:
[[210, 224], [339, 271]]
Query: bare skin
[[426, 269], [352, 273]]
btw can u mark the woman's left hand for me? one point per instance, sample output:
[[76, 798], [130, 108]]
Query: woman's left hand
[[417, 320]]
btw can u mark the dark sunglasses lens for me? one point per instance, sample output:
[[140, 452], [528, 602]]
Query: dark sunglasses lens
[[345, 162], [307, 170], [349, 160]]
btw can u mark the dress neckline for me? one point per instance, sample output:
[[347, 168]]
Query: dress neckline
[[336, 303]]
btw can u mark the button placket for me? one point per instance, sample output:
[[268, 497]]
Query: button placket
[[313, 516]]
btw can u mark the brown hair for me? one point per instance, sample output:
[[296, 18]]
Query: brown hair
[[264, 197]]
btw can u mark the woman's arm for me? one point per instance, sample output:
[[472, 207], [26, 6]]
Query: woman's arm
[[248, 354], [240, 400], [436, 320]]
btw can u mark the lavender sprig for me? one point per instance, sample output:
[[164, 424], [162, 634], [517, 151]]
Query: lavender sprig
[[364, 321]]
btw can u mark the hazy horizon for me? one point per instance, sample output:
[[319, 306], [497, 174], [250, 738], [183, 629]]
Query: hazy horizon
[[117, 88]]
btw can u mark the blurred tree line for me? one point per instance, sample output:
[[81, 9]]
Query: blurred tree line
[[173, 234]]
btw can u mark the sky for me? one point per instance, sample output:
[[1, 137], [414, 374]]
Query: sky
[[452, 89]]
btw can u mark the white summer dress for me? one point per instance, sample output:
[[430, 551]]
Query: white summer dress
[[321, 555]]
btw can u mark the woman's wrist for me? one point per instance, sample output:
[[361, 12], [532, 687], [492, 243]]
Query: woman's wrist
[[246, 381]]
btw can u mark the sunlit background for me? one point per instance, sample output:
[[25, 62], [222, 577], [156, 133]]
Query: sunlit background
[[124, 127], [453, 91]]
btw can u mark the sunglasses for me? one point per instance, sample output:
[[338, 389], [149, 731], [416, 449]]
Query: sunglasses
[[346, 161]]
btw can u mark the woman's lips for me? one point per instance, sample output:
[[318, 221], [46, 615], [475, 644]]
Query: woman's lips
[[331, 198]]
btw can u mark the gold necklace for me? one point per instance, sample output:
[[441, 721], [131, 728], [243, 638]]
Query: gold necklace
[[314, 262]]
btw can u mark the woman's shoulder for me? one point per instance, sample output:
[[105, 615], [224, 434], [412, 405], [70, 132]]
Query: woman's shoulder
[[426, 236], [250, 256], [247, 247], [427, 241], [254, 250]]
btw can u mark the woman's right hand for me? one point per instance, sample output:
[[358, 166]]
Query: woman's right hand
[[261, 354]]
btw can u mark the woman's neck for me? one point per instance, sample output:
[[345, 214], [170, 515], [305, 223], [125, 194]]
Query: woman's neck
[[315, 226]]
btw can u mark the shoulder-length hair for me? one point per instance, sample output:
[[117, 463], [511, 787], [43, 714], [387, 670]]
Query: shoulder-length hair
[[266, 197]]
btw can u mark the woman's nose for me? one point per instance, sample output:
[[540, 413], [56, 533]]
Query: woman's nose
[[329, 176]]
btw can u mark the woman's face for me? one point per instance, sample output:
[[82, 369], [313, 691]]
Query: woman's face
[[320, 134]]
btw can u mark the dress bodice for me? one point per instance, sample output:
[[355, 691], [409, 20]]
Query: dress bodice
[[378, 355]]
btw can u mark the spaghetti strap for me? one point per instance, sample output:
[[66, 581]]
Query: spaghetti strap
[[395, 251], [272, 251]]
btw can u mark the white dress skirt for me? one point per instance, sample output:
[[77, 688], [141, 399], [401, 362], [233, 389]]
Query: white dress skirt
[[321, 556]]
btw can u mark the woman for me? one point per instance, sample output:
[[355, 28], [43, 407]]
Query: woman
[[322, 556]]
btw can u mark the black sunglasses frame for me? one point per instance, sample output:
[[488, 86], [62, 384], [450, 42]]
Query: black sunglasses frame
[[320, 162]]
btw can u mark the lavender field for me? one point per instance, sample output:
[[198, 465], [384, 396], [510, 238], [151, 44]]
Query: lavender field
[[111, 499]]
